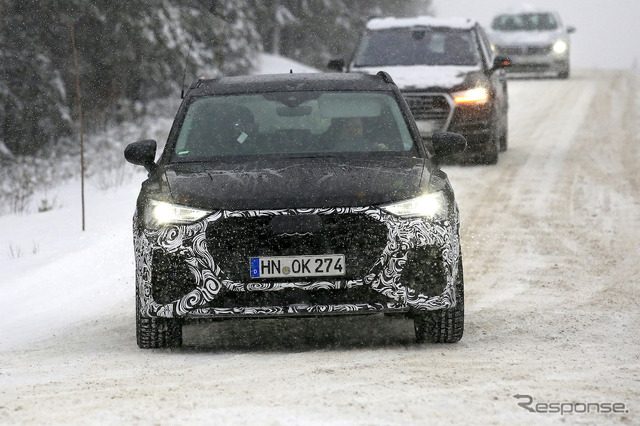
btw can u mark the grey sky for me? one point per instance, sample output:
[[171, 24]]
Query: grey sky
[[608, 31]]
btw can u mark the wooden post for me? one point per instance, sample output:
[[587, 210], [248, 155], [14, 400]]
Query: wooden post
[[79, 100]]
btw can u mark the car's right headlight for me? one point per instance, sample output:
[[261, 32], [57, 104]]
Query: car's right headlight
[[560, 46], [478, 95], [433, 205], [160, 213]]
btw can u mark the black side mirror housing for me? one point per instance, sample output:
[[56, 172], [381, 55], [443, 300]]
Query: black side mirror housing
[[337, 65], [571, 29], [501, 62], [446, 144], [142, 153]]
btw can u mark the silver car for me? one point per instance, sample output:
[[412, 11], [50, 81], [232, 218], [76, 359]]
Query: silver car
[[536, 41]]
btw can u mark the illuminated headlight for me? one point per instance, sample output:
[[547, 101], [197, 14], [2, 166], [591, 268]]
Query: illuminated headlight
[[431, 206], [560, 46], [479, 95], [159, 213]]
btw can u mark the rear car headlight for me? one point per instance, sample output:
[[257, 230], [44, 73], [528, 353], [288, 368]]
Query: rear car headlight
[[479, 95], [560, 46], [159, 213], [432, 206]]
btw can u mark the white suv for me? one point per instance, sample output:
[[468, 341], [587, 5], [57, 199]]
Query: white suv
[[536, 41]]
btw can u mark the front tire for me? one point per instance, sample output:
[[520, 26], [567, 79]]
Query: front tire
[[443, 325], [492, 150], [157, 332], [504, 137]]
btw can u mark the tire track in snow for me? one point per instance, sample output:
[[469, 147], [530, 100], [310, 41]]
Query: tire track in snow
[[503, 214]]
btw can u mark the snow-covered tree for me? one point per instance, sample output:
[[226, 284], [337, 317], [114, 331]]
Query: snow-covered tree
[[132, 51], [129, 52], [314, 31]]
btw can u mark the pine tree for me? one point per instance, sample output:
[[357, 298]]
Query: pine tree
[[314, 31], [129, 52]]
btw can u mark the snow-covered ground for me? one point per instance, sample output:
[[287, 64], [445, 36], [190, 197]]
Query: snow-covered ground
[[550, 246]]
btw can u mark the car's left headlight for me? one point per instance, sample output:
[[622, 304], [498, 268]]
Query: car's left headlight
[[478, 96], [560, 46], [432, 206], [159, 213]]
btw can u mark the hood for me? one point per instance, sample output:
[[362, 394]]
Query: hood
[[510, 38], [296, 183], [414, 77]]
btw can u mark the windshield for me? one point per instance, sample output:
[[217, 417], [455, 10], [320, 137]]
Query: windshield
[[417, 46], [299, 123], [525, 22]]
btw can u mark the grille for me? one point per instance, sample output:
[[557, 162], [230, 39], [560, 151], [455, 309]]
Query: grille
[[428, 107], [511, 50], [524, 68], [539, 50], [233, 240], [525, 50]]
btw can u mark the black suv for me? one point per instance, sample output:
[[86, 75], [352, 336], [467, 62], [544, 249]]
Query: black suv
[[296, 195], [448, 74]]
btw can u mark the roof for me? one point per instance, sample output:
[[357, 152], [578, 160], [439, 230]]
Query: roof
[[421, 21], [526, 8], [289, 82]]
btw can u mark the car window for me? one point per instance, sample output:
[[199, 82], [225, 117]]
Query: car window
[[417, 46], [525, 22], [292, 123], [486, 46]]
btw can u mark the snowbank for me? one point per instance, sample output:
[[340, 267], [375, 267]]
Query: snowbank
[[275, 64]]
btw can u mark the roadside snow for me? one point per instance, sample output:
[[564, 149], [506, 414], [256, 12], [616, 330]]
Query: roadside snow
[[275, 64], [54, 274]]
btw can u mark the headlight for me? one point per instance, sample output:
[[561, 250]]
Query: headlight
[[160, 213], [479, 95], [560, 46], [431, 206]]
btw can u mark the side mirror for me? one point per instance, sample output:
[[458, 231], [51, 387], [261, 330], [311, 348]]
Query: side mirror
[[446, 144], [501, 62], [571, 29], [142, 153], [337, 65]]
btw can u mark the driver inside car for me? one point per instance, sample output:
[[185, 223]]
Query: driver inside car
[[348, 135]]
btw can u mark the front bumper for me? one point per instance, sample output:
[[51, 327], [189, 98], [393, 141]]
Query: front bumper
[[200, 270], [436, 112], [527, 61]]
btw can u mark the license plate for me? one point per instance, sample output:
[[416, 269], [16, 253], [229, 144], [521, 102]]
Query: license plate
[[297, 266]]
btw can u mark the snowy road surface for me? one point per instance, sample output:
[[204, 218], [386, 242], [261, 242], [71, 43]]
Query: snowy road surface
[[552, 271]]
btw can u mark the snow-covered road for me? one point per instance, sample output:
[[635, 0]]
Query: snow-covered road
[[551, 253]]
